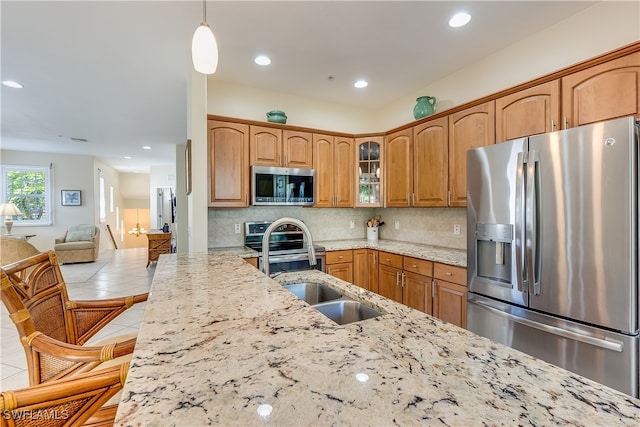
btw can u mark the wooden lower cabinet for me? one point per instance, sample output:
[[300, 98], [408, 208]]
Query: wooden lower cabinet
[[437, 289], [372, 270], [416, 292], [365, 269], [389, 282], [450, 294], [360, 268], [340, 264]]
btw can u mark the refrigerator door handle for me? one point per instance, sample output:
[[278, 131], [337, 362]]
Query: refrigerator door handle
[[519, 211], [531, 222], [608, 344]]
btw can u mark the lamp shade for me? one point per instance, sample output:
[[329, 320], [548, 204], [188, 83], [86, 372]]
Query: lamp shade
[[9, 209], [204, 50]]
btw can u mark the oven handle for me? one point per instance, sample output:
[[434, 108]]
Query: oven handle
[[293, 257]]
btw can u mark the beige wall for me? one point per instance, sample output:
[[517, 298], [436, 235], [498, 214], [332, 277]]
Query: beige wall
[[132, 218], [68, 172]]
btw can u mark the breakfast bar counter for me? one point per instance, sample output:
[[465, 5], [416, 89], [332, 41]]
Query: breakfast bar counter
[[222, 344]]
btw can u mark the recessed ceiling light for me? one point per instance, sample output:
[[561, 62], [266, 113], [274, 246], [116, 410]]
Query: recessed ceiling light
[[459, 19], [360, 84], [127, 157], [13, 84], [262, 60], [146, 147]]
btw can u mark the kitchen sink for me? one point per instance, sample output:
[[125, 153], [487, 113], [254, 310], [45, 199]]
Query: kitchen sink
[[346, 311], [313, 292]]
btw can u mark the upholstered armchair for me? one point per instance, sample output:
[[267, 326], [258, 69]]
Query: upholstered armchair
[[80, 243], [52, 328]]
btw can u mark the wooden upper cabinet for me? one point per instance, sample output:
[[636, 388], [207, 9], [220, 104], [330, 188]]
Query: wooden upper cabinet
[[470, 128], [323, 165], [528, 112], [333, 162], [228, 164], [398, 166], [265, 146], [369, 173], [431, 164], [343, 160], [606, 91], [298, 149]]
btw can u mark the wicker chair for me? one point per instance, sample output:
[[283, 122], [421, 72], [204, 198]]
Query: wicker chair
[[12, 250], [71, 401], [52, 328]]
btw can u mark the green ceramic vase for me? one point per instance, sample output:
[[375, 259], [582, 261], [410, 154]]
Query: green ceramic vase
[[425, 106], [276, 116]]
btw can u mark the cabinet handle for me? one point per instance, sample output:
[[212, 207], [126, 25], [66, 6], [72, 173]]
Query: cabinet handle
[[413, 197], [414, 266], [566, 122], [448, 198], [397, 278], [448, 273], [553, 125], [340, 257], [387, 259], [408, 199], [433, 289], [375, 258], [403, 280]]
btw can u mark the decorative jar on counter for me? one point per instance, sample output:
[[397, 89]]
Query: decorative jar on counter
[[372, 233]]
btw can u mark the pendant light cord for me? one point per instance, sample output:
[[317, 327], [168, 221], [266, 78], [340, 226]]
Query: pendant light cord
[[204, 11]]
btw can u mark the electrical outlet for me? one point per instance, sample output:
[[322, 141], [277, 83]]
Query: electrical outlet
[[397, 224], [237, 228], [352, 223], [456, 228]]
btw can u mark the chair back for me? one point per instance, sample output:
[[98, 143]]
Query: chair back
[[71, 401], [38, 301]]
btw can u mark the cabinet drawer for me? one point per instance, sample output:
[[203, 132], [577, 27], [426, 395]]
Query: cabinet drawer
[[418, 266], [334, 257], [450, 273], [393, 260]]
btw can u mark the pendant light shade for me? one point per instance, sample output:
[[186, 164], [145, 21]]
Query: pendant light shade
[[204, 48]]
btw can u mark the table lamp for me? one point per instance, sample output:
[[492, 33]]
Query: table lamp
[[9, 210]]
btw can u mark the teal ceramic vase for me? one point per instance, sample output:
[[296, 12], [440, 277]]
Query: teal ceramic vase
[[425, 106], [276, 116]]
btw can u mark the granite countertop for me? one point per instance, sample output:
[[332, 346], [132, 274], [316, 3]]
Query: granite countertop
[[222, 344], [444, 255], [441, 254]]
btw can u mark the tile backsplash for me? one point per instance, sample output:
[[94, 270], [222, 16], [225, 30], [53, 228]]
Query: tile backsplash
[[431, 226]]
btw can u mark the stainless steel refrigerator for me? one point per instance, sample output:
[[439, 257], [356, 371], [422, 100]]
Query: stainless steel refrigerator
[[552, 242]]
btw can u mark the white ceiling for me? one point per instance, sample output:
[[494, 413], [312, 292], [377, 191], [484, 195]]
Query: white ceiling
[[115, 72]]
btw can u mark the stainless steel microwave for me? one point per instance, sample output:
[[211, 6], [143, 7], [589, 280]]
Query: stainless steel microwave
[[282, 186]]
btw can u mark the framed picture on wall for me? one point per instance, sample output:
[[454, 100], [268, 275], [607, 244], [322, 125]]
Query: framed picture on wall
[[71, 198]]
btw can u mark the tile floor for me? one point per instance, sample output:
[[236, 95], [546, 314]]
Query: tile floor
[[116, 273]]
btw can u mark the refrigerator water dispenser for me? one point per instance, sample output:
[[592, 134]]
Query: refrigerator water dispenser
[[493, 248]]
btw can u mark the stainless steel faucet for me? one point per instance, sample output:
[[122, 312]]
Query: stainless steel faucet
[[267, 236]]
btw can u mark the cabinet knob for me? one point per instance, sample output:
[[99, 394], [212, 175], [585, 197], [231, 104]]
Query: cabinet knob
[[448, 273], [414, 266], [340, 257]]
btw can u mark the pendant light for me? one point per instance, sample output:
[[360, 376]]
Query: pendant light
[[204, 49]]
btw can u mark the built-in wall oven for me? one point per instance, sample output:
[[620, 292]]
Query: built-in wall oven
[[287, 249]]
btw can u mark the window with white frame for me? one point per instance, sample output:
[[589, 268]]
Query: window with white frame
[[29, 188]]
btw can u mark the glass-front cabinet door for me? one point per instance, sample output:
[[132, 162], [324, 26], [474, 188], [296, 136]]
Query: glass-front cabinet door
[[369, 171]]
